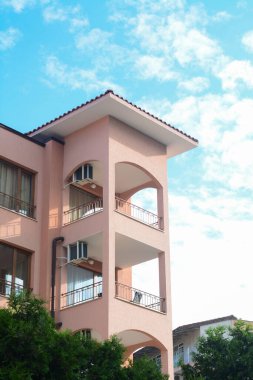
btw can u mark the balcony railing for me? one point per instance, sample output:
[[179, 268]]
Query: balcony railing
[[139, 297], [83, 211], [84, 294], [17, 205], [8, 287], [138, 213]]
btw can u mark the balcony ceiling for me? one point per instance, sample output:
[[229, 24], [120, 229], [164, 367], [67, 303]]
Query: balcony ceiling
[[132, 337], [127, 176], [129, 252]]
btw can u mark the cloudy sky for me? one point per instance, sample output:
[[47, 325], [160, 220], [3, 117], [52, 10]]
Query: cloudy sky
[[188, 62]]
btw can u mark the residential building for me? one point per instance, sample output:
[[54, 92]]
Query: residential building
[[69, 230], [184, 342], [185, 339]]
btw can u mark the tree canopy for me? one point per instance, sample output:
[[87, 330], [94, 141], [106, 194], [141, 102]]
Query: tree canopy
[[223, 353], [31, 348]]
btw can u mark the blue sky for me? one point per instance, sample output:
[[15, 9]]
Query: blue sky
[[188, 62]]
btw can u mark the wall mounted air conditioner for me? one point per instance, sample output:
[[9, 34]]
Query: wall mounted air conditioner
[[77, 252], [83, 173]]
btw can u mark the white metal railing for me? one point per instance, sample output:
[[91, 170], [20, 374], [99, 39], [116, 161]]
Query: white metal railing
[[17, 205], [138, 297], [138, 213], [81, 295], [83, 211], [8, 287]]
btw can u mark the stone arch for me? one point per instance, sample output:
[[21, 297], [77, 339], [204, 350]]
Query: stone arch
[[145, 178], [136, 339]]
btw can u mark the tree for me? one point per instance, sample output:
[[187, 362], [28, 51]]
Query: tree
[[144, 369], [223, 353], [32, 349]]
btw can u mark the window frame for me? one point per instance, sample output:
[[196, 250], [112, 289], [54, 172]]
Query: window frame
[[15, 251], [18, 201]]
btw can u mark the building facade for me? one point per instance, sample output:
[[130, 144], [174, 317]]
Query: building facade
[[185, 339], [69, 230]]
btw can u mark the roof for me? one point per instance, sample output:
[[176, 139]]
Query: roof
[[110, 104], [193, 326], [24, 136]]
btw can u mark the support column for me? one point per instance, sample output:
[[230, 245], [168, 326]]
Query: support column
[[108, 268], [165, 363], [160, 207]]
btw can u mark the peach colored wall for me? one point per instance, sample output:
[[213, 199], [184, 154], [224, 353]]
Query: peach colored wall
[[87, 144], [52, 211], [124, 276], [14, 228], [128, 145], [110, 142]]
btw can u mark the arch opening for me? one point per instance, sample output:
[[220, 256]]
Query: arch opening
[[138, 194], [83, 191]]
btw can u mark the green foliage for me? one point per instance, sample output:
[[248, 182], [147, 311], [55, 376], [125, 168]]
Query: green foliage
[[32, 349], [224, 353], [144, 369]]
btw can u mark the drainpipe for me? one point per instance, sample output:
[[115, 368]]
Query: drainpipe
[[53, 272]]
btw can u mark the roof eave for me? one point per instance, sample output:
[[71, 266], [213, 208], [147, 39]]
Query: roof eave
[[110, 104]]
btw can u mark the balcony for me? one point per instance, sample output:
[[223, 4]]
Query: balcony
[[140, 298], [121, 206], [122, 292], [8, 287], [83, 211], [81, 295], [17, 205], [138, 213]]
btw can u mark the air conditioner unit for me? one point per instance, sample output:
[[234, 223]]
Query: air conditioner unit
[[83, 173], [77, 252]]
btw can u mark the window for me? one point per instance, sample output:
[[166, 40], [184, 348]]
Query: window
[[16, 189], [178, 353], [82, 285], [14, 269], [77, 251], [86, 333]]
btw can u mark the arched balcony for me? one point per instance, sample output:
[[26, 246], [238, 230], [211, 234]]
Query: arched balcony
[[84, 192], [131, 181]]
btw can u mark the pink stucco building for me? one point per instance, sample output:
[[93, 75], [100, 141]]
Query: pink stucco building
[[69, 230]]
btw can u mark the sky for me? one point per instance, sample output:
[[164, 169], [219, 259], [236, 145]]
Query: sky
[[189, 63]]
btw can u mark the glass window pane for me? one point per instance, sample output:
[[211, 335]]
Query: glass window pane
[[6, 269], [80, 284], [21, 272], [8, 185], [73, 251], [26, 187]]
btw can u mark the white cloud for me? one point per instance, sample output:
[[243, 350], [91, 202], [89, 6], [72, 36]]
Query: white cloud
[[9, 38], [52, 13], [223, 126], [56, 13], [221, 16], [78, 23], [194, 85], [77, 78], [173, 36], [235, 73], [94, 39], [159, 68], [247, 41], [18, 5], [211, 257]]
